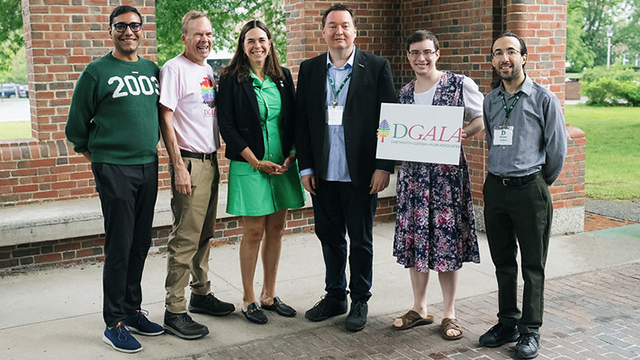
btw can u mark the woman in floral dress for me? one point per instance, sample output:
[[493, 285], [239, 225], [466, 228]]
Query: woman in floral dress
[[435, 227]]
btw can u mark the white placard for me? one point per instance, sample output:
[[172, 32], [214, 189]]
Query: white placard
[[420, 133]]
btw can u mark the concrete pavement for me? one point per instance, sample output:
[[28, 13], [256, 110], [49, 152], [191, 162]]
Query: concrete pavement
[[591, 308]]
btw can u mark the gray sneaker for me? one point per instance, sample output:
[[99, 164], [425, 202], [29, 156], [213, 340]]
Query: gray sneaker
[[183, 326]]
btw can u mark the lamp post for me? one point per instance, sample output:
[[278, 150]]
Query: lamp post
[[609, 35]]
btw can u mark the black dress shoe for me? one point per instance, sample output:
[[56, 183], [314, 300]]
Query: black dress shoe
[[209, 304], [255, 314], [326, 308], [183, 326], [280, 307], [528, 345], [499, 335], [357, 318]]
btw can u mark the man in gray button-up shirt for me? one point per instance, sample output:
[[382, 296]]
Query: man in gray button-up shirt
[[527, 143]]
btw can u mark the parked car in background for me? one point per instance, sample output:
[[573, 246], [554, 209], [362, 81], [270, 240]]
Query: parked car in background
[[11, 90], [23, 91]]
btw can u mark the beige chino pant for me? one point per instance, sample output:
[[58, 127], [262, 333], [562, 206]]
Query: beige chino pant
[[194, 220]]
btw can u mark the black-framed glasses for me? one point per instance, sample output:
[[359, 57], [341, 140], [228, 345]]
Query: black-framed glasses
[[509, 53], [122, 27], [426, 53]]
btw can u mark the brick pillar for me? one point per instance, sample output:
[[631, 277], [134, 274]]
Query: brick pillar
[[61, 38], [542, 25], [466, 30], [378, 24]]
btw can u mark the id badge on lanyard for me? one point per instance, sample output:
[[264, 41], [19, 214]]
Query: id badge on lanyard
[[334, 112], [334, 115], [503, 136]]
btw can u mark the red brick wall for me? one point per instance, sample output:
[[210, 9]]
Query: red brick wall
[[378, 24], [465, 29], [568, 190], [91, 248], [572, 90], [63, 36]]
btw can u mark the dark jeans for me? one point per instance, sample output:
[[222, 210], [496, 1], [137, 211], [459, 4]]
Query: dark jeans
[[128, 196], [340, 207], [519, 216]]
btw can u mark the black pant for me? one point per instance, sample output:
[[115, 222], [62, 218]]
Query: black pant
[[340, 206], [519, 216], [128, 196]]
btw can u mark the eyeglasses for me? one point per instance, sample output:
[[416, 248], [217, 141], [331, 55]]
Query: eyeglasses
[[509, 53], [200, 36], [426, 53], [122, 27]]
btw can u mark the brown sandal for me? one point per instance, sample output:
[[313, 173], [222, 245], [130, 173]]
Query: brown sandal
[[450, 324], [411, 319]]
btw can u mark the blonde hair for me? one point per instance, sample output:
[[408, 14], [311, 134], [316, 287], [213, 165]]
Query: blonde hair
[[191, 15]]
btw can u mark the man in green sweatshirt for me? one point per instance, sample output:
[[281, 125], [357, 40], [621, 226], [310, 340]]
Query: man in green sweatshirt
[[113, 122]]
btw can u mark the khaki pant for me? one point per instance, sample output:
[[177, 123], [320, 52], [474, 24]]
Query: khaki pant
[[193, 226]]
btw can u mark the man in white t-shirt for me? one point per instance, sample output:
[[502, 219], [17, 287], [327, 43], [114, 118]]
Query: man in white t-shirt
[[190, 133]]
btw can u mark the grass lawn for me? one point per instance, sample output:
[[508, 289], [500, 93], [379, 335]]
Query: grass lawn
[[15, 130], [613, 150]]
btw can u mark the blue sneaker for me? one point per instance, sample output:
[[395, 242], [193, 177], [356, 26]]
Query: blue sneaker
[[120, 339], [138, 323]]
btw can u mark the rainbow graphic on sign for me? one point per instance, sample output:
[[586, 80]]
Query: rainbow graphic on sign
[[383, 130]]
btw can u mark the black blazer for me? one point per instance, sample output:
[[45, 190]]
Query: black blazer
[[239, 116], [371, 84]]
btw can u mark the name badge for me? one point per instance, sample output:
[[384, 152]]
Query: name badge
[[503, 136], [334, 115]]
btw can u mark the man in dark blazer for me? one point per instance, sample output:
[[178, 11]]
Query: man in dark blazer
[[337, 114]]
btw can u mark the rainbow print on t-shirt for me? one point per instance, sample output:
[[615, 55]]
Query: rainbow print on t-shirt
[[208, 91]]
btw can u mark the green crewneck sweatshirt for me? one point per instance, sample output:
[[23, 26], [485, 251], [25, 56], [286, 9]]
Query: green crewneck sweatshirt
[[114, 111]]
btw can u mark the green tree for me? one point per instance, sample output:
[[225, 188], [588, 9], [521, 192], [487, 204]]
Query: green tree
[[11, 33], [227, 17], [579, 54], [628, 32], [598, 15]]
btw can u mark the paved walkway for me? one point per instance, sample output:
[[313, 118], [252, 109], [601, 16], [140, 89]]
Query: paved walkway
[[593, 315], [591, 308]]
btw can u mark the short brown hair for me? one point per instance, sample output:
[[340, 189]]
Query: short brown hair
[[338, 7], [422, 35]]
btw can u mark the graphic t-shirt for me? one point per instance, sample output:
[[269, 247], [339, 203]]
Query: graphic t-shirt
[[188, 89]]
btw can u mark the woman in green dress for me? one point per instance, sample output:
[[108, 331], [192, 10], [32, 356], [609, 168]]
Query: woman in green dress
[[255, 110]]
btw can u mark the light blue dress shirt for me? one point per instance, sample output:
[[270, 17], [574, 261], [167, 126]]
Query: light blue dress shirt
[[337, 169]]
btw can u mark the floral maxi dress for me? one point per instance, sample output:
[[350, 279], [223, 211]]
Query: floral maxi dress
[[435, 224]]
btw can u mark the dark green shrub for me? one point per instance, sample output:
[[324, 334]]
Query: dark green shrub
[[630, 91], [602, 92], [619, 85]]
